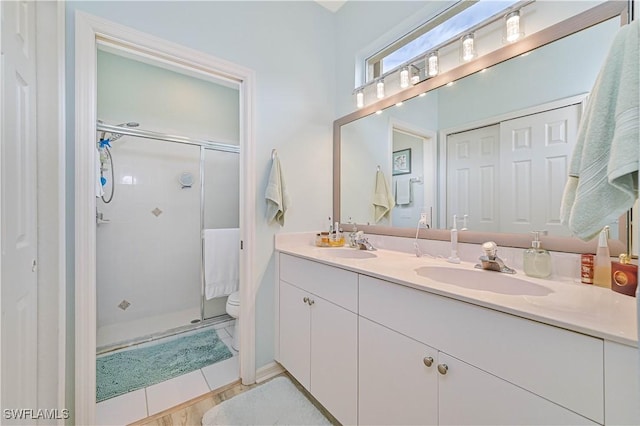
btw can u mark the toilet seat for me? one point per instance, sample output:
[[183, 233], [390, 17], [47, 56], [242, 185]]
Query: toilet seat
[[234, 299]]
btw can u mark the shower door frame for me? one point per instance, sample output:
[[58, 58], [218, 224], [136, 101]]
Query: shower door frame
[[203, 146], [89, 32]]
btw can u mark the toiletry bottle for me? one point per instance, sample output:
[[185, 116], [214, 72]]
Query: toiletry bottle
[[537, 261], [624, 276], [602, 262]]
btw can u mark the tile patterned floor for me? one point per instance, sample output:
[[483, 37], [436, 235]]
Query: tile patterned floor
[[136, 405]]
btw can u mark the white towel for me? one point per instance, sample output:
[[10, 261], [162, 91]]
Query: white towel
[[382, 198], [603, 174], [99, 189], [403, 191], [276, 194], [221, 261]]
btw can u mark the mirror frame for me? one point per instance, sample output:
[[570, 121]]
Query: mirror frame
[[600, 13]]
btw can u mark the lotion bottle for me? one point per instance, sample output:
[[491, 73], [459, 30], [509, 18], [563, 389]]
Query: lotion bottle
[[536, 260], [602, 261]]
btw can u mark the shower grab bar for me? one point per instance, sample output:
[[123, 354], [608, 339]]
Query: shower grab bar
[[147, 134]]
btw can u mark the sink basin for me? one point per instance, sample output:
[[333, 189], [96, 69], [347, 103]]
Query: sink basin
[[347, 253], [477, 279]]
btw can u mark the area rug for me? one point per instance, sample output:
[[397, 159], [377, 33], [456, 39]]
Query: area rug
[[133, 369], [276, 402]]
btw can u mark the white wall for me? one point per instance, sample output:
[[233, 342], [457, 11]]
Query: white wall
[[291, 47]]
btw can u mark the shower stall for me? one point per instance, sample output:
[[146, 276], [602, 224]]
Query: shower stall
[[160, 193]]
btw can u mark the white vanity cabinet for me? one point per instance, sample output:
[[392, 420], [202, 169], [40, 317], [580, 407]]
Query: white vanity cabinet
[[397, 377], [319, 332], [501, 369], [404, 382], [622, 384], [374, 352]]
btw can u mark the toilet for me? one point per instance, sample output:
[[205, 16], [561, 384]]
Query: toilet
[[233, 309]]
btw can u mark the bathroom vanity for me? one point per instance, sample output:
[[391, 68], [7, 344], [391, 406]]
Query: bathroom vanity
[[387, 338]]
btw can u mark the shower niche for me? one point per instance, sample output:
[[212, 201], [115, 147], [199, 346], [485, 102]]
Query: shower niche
[[168, 172]]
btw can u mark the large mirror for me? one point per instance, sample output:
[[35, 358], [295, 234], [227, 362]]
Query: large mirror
[[491, 150]]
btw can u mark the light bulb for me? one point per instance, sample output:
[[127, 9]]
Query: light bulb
[[512, 26], [468, 48], [404, 78], [432, 62], [380, 89], [359, 99]]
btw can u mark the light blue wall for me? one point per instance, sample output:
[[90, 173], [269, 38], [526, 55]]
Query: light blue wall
[[290, 46]]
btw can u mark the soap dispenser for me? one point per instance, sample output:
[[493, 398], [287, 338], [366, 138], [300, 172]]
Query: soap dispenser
[[602, 261], [537, 261]]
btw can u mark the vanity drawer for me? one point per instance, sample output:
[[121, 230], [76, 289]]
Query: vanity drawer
[[562, 366], [333, 284]]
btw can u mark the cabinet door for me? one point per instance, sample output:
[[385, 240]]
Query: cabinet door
[[622, 385], [396, 385], [469, 395], [295, 338], [334, 359]]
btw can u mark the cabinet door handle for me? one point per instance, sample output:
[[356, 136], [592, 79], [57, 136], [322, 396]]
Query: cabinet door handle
[[311, 302], [442, 369], [305, 300], [428, 361]]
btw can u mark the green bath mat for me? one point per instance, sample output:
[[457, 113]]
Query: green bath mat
[[129, 370]]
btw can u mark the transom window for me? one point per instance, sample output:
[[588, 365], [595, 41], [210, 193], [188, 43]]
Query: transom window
[[448, 25]]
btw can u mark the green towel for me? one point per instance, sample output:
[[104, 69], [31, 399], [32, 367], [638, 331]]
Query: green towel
[[603, 174], [382, 198], [276, 194]]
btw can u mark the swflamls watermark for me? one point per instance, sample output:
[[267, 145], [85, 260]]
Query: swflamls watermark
[[35, 414]]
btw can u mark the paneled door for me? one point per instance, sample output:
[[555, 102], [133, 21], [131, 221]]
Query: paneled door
[[19, 231], [473, 159], [535, 151]]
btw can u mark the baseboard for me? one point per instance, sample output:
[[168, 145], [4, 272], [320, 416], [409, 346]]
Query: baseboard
[[268, 371]]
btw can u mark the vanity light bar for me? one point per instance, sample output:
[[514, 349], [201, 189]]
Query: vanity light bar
[[468, 47], [380, 89], [513, 27], [432, 64], [360, 98], [409, 73]]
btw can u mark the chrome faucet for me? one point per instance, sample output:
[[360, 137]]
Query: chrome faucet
[[490, 260], [353, 235], [362, 243]]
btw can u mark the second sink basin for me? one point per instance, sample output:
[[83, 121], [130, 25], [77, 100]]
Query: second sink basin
[[476, 279], [347, 253]]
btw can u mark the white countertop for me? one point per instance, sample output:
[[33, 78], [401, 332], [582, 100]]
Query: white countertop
[[586, 309]]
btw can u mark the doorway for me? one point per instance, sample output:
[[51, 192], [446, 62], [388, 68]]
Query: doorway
[[92, 32]]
